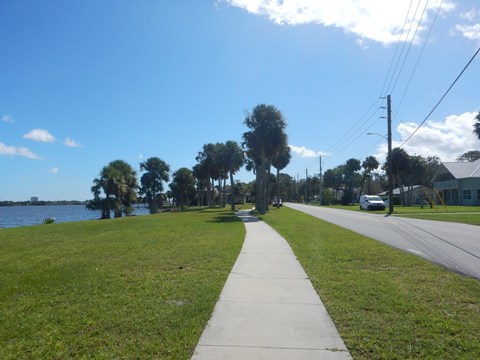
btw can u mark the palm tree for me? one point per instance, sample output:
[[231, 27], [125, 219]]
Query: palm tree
[[476, 126], [220, 169], [118, 183], [157, 171], [233, 160], [265, 138], [200, 173], [369, 164], [399, 160], [182, 186], [279, 163], [207, 160]]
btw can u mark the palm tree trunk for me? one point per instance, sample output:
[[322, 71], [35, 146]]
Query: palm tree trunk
[[263, 187], [232, 191], [212, 199]]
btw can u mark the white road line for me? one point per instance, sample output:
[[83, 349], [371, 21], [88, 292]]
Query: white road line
[[416, 252]]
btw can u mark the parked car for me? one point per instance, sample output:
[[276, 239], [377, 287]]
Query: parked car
[[371, 202], [277, 202]]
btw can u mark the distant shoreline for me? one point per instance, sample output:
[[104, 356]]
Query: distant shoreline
[[42, 203]]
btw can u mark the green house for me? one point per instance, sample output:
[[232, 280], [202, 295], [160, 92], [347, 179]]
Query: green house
[[458, 182]]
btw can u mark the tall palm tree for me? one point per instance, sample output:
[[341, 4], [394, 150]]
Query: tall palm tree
[[182, 186], [151, 181], [476, 127], [369, 164], [399, 160], [200, 172], [279, 163], [233, 160], [266, 135], [206, 158], [118, 183]]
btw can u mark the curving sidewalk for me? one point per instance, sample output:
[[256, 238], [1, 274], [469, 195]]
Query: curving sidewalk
[[268, 308]]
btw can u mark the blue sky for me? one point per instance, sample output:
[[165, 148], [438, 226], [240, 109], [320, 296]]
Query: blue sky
[[87, 82]]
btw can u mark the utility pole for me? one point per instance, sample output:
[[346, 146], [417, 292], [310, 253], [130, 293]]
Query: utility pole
[[320, 180], [390, 172]]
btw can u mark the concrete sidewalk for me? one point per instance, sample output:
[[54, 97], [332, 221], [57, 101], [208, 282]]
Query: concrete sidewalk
[[268, 308]]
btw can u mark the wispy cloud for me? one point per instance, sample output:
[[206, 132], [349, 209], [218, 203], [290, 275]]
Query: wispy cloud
[[8, 118], [302, 151], [41, 135], [18, 151], [446, 139], [71, 143], [471, 32], [470, 15], [53, 170], [378, 20]]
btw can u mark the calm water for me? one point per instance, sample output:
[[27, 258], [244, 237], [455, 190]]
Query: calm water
[[14, 216]]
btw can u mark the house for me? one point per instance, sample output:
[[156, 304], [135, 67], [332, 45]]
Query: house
[[412, 195], [458, 182]]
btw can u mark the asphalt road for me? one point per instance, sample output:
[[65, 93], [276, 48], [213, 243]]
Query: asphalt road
[[455, 246]]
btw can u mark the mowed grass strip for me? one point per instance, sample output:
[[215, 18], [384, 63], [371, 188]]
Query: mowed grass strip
[[386, 304], [461, 214], [133, 288]]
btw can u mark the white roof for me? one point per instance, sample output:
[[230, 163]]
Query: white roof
[[462, 170]]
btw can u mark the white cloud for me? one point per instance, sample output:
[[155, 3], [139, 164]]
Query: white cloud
[[17, 151], [376, 20], [471, 32], [302, 151], [53, 170], [470, 15], [446, 139], [7, 118], [71, 143], [41, 135]]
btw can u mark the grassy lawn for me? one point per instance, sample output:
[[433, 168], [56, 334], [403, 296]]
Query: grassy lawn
[[386, 304], [140, 287], [462, 214]]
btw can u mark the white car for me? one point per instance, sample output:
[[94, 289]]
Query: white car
[[371, 202]]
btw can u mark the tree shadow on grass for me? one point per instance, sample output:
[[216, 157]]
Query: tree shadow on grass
[[225, 218]]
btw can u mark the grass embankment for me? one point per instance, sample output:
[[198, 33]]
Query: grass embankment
[[461, 214], [141, 287], [386, 304]]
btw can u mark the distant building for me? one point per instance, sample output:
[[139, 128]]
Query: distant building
[[34, 199], [459, 182], [412, 195]]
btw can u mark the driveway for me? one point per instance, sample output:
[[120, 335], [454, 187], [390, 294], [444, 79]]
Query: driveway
[[455, 246]]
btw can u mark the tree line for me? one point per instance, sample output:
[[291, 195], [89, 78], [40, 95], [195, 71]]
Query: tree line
[[264, 145]]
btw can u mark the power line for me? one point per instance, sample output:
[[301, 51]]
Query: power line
[[418, 58], [410, 45], [443, 97], [401, 52], [396, 49]]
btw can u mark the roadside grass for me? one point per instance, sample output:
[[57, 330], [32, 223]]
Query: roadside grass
[[386, 304], [461, 214], [471, 219], [142, 287]]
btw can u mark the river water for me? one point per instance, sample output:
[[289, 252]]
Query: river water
[[15, 216]]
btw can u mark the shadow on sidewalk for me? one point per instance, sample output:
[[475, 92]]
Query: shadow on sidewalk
[[246, 217]]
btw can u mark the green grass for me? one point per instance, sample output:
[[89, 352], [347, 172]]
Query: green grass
[[386, 304], [472, 219], [140, 287], [461, 214]]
